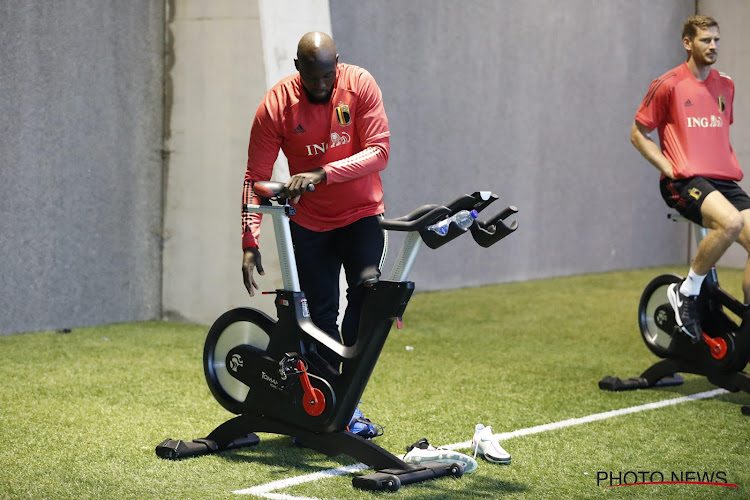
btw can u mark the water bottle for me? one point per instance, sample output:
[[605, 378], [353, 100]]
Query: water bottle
[[463, 219]]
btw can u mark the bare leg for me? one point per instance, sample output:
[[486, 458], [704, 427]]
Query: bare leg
[[727, 224], [744, 240]]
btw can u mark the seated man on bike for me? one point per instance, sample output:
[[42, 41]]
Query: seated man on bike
[[330, 122], [691, 106]]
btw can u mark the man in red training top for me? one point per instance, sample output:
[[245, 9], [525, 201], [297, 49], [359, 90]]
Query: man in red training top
[[329, 121], [691, 106]]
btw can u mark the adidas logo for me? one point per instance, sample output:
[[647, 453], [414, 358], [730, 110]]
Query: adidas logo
[[688, 103], [299, 130]]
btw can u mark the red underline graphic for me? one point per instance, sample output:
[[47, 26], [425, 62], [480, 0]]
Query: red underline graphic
[[674, 482]]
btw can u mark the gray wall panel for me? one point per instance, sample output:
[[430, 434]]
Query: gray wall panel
[[80, 162], [533, 100]]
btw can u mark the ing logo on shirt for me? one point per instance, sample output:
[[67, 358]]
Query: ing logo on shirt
[[704, 121], [339, 139], [721, 104], [336, 140]]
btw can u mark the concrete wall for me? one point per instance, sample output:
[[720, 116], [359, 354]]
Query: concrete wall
[[80, 162], [226, 55], [533, 100]]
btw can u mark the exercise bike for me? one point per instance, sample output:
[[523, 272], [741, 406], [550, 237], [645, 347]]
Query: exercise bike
[[720, 355], [271, 373]]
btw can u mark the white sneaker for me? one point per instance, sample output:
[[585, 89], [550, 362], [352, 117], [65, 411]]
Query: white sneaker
[[418, 456], [486, 444]]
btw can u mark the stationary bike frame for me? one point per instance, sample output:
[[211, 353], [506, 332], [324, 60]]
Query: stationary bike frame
[[269, 371], [721, 355]]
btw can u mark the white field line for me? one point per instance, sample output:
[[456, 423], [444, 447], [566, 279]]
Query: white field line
[[267, 490]]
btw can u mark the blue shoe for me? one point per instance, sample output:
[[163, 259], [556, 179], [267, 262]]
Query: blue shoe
[[363, 426]]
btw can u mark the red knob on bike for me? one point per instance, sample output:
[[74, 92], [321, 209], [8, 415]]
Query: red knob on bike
[[717, 346], [314, 402]]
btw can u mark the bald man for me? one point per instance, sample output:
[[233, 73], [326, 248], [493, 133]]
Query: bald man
[[329, 121]]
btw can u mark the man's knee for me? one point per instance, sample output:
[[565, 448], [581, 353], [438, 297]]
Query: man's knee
[[733, 225], [729, 222]]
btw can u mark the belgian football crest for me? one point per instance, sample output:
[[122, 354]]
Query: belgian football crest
[[343, 115], [721, 104]]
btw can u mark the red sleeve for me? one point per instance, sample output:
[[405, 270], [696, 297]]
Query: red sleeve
[[371, 123], [265, 141], [731, 100], [654, 108]]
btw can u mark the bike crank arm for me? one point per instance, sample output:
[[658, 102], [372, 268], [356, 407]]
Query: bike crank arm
[[717, 346], [313, 400]]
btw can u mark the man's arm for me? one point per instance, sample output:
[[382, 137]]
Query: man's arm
[[371, 125], [640, 136], [263, 149]]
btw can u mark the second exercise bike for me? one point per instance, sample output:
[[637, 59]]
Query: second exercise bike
[[720, 356]]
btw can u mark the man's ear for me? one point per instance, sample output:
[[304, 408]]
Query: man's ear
[[296, 64]]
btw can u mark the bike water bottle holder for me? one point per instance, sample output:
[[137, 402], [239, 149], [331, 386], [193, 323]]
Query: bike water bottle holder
[[485, 232]]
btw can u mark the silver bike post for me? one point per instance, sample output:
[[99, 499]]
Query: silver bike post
[[287, 262], [406, 257]]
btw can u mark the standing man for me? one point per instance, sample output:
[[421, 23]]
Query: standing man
[[691, 106], [329, 121]]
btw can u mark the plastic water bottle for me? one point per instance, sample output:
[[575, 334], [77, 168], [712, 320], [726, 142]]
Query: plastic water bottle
[[463, 219]]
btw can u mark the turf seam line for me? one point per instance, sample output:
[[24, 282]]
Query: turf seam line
[[266, 490]]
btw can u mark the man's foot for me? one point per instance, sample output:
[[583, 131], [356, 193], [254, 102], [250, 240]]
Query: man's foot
[[485, 443], [363, 426], [685, 312]]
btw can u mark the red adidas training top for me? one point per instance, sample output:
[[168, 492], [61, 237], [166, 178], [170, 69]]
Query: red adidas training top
[[347, 136], [693, 119]]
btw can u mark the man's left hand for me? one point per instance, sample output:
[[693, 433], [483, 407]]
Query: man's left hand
[[299, 183]]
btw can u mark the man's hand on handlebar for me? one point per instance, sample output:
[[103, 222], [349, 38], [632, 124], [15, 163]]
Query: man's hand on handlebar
[[251, 260], [299, 183]]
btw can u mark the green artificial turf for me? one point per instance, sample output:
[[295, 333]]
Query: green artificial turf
[[81, 413]]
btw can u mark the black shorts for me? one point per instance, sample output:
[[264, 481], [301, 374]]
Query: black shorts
[[687, 195]]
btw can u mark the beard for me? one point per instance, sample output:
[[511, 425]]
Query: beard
[[320, 99], [705, 59]]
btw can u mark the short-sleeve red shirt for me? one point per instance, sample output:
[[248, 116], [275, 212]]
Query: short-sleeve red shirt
[[693, 119], [348, 137]]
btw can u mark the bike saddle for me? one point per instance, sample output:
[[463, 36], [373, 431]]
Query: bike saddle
[[272, 189]]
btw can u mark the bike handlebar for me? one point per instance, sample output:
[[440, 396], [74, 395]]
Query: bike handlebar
[[485, 232], [416, 220]]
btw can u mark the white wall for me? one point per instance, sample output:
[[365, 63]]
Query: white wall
[[227, 53]]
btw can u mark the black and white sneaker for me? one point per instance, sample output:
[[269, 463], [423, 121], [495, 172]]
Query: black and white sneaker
[[685, 312]]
